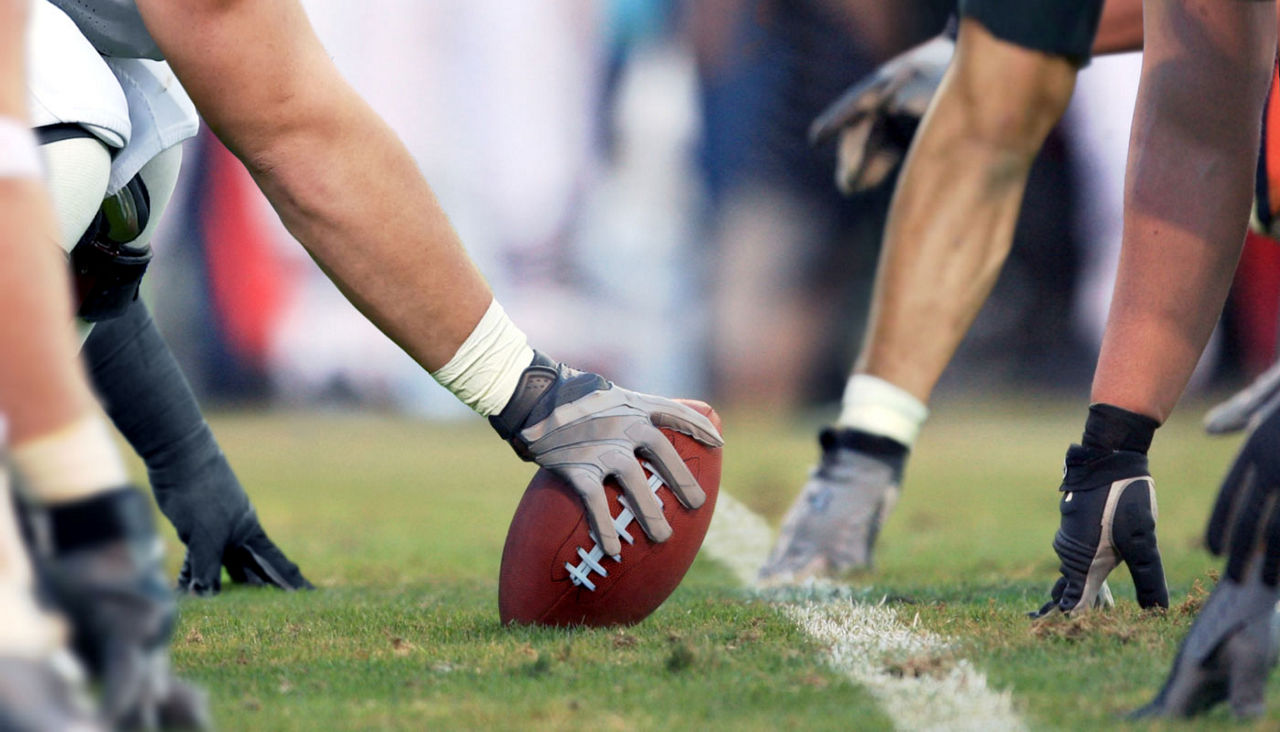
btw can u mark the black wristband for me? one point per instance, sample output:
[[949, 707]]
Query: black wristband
[[122, 514], [1112, 428]]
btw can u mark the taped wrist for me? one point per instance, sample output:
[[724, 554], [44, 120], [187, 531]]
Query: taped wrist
[[484, 370], [540, 388], [877, 407], [1112, 428], [74, 462]]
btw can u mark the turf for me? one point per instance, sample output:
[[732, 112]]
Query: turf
[[401, 523]]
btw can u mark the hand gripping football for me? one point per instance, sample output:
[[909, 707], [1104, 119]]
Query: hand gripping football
[[553, 571]]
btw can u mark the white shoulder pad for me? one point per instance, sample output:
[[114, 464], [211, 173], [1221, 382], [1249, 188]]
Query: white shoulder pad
[[68, 82], [161, 113]]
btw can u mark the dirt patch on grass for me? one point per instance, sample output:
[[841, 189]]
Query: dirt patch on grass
[[930, 665]]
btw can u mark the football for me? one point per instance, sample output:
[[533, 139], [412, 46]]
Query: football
[[554, 573]]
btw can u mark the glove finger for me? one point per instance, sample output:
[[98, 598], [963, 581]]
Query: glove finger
[[1133, 530], [259, 555], [672, 415], [851, 154], [1218, 533], [1244, 529], [1055, 596], [1235, 414], [591, 492], [201, 569], [669, 466], [1271, 557], [640, 499], [861, 99]]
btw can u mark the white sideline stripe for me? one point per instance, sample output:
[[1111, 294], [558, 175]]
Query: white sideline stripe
[[860, 638]]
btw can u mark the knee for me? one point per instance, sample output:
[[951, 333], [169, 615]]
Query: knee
[[1006, 96], [78, 170]]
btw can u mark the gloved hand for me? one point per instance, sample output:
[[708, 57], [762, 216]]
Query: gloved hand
[[1249, 406], [585, 429], [217, 539], [148, 398], [832, 527], [877, 117], [1231, 648], [99, 561], [1109, 512]]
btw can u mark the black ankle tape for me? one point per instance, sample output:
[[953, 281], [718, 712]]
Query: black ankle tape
[[1112, 428], [118, 515]]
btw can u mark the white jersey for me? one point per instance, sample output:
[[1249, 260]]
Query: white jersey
[[134, 105], [114, 27]]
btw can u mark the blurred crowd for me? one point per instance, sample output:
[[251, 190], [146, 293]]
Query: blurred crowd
[[635, 178]]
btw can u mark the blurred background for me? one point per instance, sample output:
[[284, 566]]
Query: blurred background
[[633, 177]]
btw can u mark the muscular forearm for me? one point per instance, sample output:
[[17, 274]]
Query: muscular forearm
[[340, 179], [1188, 188]]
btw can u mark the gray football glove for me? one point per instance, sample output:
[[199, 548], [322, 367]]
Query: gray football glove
[[877, 117], [831, 528], [586, 430], [1249, 406]]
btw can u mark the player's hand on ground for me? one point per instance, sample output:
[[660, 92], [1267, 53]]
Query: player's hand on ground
[[249, 555], [219, 526], [1227, 655], [121, 610], [1108, 509], [876, 118], [1249, 406], [586, 429], [1231, 648], [831, 529]]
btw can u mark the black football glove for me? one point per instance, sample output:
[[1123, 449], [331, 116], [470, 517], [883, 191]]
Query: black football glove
[[144, 391], [586, 429], [1231, 648], [1108, 508]]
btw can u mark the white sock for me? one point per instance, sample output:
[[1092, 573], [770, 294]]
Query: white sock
[[485, 369], [875, 406], [73, 463]]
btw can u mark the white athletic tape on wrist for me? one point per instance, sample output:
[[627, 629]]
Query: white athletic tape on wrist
[[484, 371], [873, 405], [19, 157], [75, 462]]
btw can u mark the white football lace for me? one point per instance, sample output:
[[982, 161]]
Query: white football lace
[[580, 573]]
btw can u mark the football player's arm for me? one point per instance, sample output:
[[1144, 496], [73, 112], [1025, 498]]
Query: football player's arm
[[1120, 29], [342, 182]]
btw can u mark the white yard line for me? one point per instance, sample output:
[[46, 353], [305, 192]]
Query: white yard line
[[861, 638]]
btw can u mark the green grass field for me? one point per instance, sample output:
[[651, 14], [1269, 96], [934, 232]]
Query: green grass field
[[401, 524]]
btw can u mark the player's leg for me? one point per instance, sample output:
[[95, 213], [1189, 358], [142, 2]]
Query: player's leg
[[1188, 189], [948, 233]]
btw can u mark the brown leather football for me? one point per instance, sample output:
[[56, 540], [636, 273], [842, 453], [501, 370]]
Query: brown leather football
[[553, 573]]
